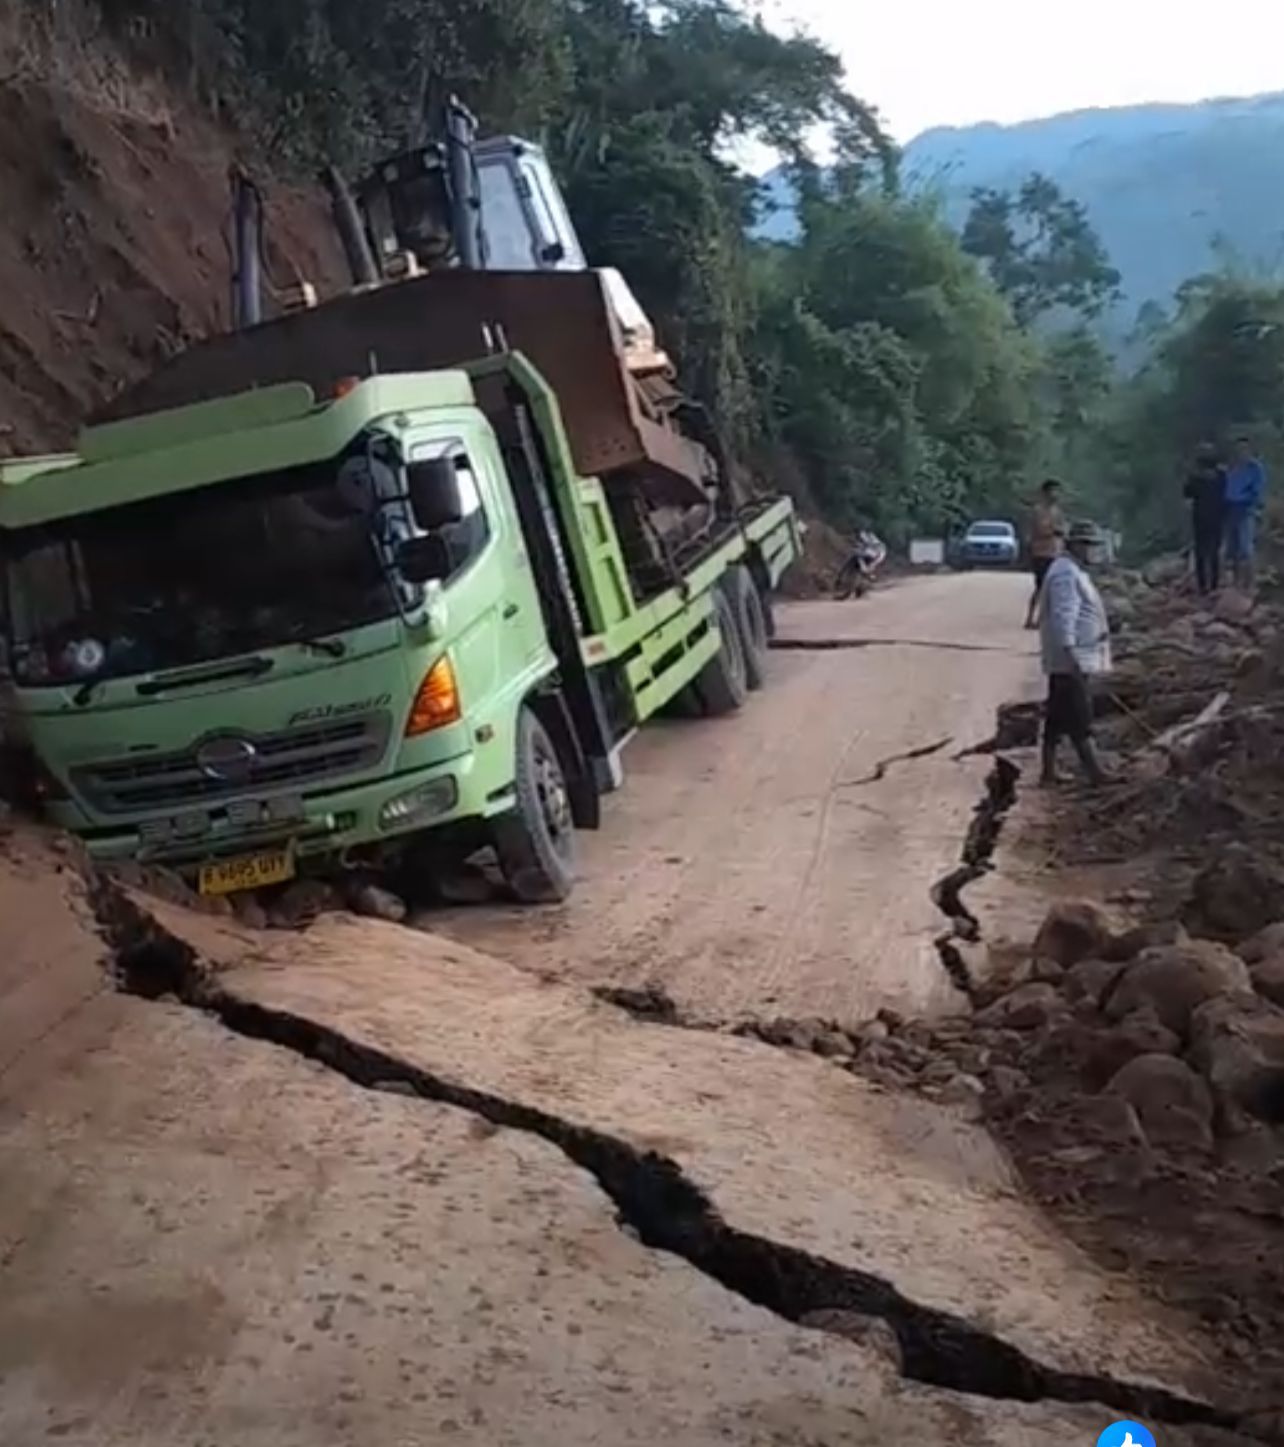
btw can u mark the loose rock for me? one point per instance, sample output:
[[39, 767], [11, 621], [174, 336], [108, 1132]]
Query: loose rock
[[1026, 1008], [1127, 946], [376, 903], [1173, 1105], [1091, 980], [1174, 980], [1236, 895], [1233, 606], [831, 1044], [1005, 1081], [249, 911], [1268, 978], [1166, 569], [1073, 930], [966, 1094], [1109, 1119], [301, 902], [871, 1031], [1141, 1033], [1266, 942], [1237, 1043]]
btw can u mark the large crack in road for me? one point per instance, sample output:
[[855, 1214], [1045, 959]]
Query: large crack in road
[[977, 859], [827, 645], [651, 1004], [652, 1195]]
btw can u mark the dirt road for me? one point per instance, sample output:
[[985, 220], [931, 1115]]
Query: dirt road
[[780, 862], [370, 1184]]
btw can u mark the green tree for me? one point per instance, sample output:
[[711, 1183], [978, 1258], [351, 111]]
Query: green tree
[[1216, 370], [1041, 250], [891, 367]]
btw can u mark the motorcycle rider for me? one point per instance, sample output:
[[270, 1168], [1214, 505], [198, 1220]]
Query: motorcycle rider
[[868, 555]]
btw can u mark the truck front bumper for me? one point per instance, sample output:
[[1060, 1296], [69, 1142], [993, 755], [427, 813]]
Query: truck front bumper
[[332, 821]]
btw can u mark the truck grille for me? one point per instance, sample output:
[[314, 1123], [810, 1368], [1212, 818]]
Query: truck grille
[[310, 753]]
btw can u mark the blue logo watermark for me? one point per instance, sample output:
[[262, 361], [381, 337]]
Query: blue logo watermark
[[1126, 1434]]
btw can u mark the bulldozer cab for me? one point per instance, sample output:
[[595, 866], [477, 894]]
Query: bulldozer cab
[[458, 248], [489, 205]]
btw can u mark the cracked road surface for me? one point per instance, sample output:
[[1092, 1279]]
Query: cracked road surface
[[760, 865], [370, 1185]]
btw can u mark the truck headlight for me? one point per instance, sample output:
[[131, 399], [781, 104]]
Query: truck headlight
[[420, 804]]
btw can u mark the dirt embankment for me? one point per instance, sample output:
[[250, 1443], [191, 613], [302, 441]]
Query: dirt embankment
[[113, 233]]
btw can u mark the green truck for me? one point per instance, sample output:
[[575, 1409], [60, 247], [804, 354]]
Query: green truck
[[390, 578]]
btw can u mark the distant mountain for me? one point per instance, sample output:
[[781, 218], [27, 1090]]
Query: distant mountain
[[1166, 186]]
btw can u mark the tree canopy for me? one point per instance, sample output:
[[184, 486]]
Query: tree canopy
[[1041, 250], [883, 367]]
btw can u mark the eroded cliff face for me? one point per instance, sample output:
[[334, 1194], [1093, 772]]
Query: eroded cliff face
[[114, 234]]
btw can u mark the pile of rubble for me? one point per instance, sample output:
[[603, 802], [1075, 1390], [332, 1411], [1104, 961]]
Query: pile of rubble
[[1194, 715], [1137, 1080]]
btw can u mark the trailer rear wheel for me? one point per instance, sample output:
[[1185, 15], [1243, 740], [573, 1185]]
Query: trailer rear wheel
[[536, 842], [722, 684], [751, 622]]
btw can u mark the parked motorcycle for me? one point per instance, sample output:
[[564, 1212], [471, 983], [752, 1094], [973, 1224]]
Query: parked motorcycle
[[858, 574]]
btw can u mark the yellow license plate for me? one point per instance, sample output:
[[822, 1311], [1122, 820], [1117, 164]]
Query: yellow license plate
[[246, 871]]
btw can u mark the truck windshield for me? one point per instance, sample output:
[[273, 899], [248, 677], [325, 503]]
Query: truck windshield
[[191, 577]]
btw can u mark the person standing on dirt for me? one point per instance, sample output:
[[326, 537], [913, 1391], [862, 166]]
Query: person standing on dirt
[[1245, 496], [1047, 536], [1075, 637], [1206, 492]]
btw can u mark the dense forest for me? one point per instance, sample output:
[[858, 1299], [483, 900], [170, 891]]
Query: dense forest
[[882, 365]]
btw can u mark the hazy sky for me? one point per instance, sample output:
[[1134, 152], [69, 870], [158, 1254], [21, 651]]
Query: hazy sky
[[935, 62]]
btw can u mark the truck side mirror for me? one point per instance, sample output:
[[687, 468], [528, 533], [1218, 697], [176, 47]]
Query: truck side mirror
[[425, 560], [435, 498]]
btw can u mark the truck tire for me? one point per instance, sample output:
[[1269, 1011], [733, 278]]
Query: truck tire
[[535, 844], [722, 684], [751, 622]]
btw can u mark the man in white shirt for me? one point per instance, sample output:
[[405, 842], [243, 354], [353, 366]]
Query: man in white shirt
[[1075, 635]]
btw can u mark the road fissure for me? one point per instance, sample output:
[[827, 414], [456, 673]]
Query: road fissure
[[825, 645], [976, 860], [651, 1194], [879, 772]]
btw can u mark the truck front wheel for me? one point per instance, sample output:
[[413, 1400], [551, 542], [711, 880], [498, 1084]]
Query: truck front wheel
[[535, 844]]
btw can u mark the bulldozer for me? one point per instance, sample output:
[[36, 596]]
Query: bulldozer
[[459, 248]]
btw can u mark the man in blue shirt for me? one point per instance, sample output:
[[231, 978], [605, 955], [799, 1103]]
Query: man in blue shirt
[[1245, 494]]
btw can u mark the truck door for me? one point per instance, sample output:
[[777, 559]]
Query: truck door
[[497, 630]]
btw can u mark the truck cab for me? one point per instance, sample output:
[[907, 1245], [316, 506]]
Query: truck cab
[[280, 599]]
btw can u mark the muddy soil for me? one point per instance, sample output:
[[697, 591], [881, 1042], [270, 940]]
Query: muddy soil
[[112, 234]]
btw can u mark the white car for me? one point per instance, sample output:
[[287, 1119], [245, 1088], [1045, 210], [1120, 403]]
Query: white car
[[990, 544]]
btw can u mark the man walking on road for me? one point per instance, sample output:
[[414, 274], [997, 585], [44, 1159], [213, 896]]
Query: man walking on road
[[1206, 492], [1075, 636], [1047, 532], [1245, 495]]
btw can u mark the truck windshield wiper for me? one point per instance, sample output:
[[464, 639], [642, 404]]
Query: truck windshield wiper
[[244, 668], [331, 647]]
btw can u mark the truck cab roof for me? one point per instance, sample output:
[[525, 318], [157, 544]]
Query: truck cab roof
[[207, 442]]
